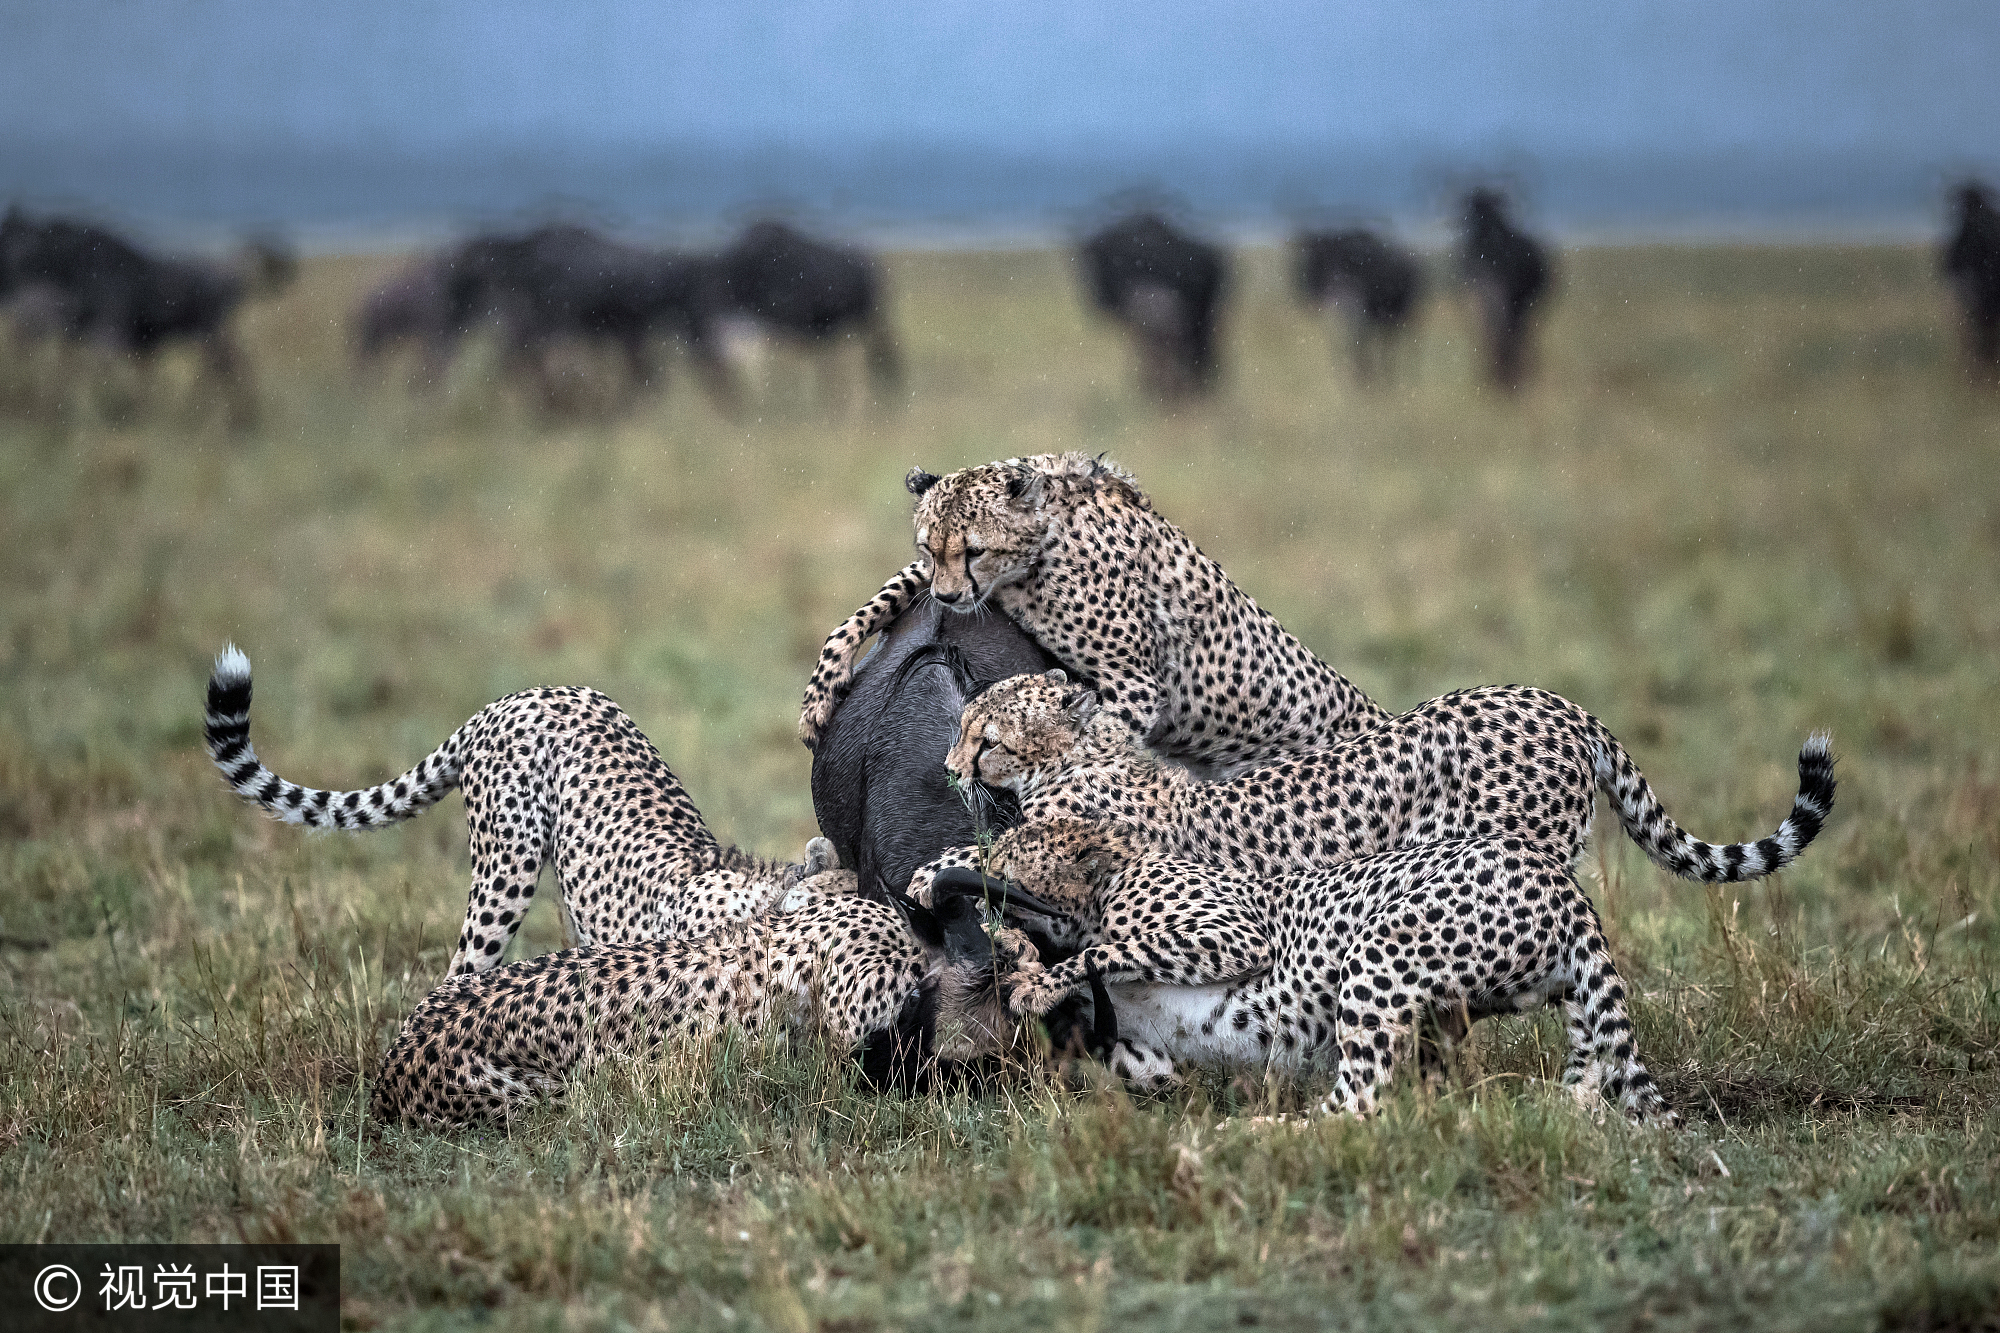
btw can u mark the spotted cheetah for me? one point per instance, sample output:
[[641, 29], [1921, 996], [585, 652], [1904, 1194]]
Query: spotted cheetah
[[1070, 548], [1350, 964], [556, 774], [901, 998], [1505, 761]]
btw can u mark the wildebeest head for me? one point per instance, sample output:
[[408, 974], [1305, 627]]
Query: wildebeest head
[[1020, 729], [973, 963], [1973, 200]]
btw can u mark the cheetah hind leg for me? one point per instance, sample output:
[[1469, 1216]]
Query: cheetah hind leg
[[511, 820], [1603, 1053]]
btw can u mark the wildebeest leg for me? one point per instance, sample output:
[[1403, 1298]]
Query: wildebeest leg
[[1363, 337], [1502, 330], [640, 368], [717, 380], [224, 360], [1160, 327], [885, 361]]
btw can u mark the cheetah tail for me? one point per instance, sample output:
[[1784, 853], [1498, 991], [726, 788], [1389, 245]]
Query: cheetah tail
[[227, 734], [1670, 846]]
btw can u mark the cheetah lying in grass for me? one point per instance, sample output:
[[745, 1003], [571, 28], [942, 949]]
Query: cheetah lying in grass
[[549, 774], [1498, 762], [901, 998], [1349, 965]]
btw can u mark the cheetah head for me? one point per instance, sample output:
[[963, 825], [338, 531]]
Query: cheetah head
[[980, 529], [1018, 729], [1062, 860], [986, 527]]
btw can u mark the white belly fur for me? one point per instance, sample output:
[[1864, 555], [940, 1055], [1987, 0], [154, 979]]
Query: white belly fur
[[1171, 1018]]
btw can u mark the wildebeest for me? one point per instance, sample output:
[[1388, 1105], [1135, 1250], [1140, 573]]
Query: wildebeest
[[878, 779], [1374, 282], [413, 305], [792, 286], [90, 286], [1971, 264], [1508, 271], [1166, 288], [565, 281]]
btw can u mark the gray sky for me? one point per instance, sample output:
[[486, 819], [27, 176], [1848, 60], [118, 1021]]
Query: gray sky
[[1544, 75], [1912, 83]]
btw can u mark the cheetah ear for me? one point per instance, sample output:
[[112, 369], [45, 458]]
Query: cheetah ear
[[1079, 706], [917, 481], [1056, 676], [1025, 488]]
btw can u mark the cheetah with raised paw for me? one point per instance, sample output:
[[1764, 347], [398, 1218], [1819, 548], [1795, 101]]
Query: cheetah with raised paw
[[1350, 965], [901, 998], [1506, 761], [1070, 549], [556, 774]]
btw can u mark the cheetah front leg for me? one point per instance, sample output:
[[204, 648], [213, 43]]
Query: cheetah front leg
[[1375, 1019], [920, 882], [834, 671], [1135, 961]]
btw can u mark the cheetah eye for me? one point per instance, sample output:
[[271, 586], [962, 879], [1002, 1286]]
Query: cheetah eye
[[974, 552]]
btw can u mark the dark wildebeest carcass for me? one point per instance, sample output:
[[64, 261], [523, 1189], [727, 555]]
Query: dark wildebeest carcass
[[878, 777], [1375, 283], [1508, 271], [1971, 264], [789, 285], [91, 286], [565, 281], [1166, 288]]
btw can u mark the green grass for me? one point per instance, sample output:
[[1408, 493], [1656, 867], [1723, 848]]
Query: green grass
[[1748, 497]]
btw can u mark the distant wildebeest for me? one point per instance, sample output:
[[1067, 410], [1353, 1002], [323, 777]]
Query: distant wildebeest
[[789, 285], [1166, 288], [89, 286], [1375, 283], [1971, 264], [1509, 272], [568, 282], [878, 778], [413, 305]]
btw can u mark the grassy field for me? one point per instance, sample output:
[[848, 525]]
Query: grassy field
[[1748, 497]]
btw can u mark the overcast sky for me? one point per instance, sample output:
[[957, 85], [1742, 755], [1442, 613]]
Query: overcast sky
[[369, 111], [1535, 75]]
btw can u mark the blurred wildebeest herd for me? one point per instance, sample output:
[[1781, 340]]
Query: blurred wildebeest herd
[[562, 294]]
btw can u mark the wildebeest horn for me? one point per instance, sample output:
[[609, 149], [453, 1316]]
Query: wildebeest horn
[[1104, 1019], [965, 881], [917, 481], [923, 922]]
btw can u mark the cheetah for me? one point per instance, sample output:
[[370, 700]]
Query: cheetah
[[1350, 964], [902, 998], [1071, 550], [556, 774], [1507, 761]]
